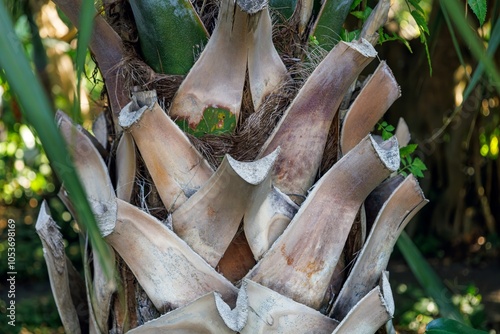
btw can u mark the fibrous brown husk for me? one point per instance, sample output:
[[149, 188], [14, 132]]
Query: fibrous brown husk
[[250, 135], [139, 76]]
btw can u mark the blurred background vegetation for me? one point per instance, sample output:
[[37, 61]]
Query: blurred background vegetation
[[458, 141]]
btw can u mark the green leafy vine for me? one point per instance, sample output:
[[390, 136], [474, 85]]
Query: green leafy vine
[[409, 164]]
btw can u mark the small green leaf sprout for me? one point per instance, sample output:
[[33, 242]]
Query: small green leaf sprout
[[409, 164]]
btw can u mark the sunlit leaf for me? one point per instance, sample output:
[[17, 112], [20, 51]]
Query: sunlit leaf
[[419, 164], [390, 128], [479, 8], [349, 36], [384, 37], [362, 14], [355, 4], [422, 24], [416, 5], [424, 29], [415, 171], [407, 150]]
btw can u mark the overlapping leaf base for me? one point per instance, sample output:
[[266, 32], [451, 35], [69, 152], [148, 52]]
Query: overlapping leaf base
[[252, 246]]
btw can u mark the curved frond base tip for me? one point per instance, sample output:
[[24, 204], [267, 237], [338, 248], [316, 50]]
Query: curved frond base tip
[[92, 171], [217, 78], [267, 217], [209, 220], [303, 130], [180, 277], [325, 219], [181, 170], [59, 268], [405, 201], [258, 310], [370, 105], [372, 308]]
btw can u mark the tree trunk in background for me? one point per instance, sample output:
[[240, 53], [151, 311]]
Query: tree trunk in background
[[455, 207]]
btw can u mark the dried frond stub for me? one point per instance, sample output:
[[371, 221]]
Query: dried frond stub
[[208, 221], [267, 217], [403, 133], [368, 315], [100, 130], [125, 167], [92, 170], [103, 290], [323, 222], [302, 13], [370, 105], [200, 316], [275, 313], [107, 47], [397, 211], [177, 168], [57, 266], [170, 272], [303, 129], [213, 88], [266, 71], [377, 19]]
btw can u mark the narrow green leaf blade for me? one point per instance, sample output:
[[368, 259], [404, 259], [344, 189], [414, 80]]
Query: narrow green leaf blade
[[358, 14], [428, 278], [456, 46], [491, 50], [36, 108], [479, 8], [422, 24], [87, 12], [450, 326], [475, 44], [416, 5]]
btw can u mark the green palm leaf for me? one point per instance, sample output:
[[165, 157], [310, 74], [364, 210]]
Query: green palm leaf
[[38, 112]]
